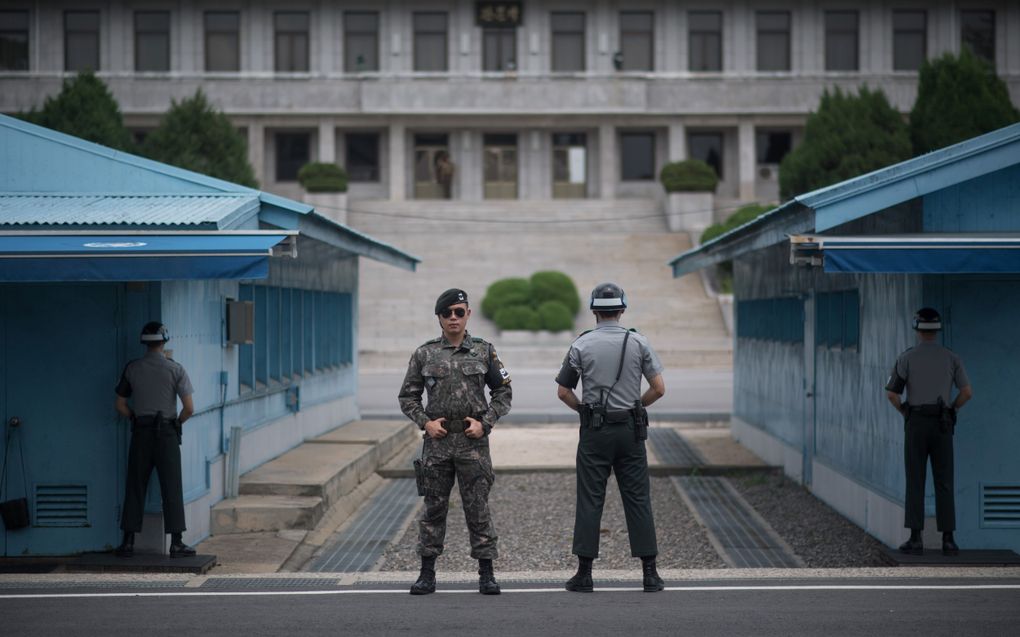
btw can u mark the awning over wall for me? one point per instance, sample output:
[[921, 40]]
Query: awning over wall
[[913, 254], [141, 255]]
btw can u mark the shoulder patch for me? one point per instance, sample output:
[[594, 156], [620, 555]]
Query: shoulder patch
[[633, 329], [432, 342], [477, 339], [584, 332]]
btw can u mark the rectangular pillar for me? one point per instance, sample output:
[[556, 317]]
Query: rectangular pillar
[[677, 150], [748, 160], [257, 150], [327, 141], [398, 162], [608, 161]]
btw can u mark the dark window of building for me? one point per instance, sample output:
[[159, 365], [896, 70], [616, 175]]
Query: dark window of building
[[779, 319], [570, 165], [430, 42], [838, 319], [910, 40], [499, 49], [81, 40], [222, 41], [977, 33], [13, 40], [705, 40], [773, 40], [363, 156], [637, 40], [361, 41], [637, 156], [152, 40], [291, 41], [708, 147], [772, 146], [293, 150], [841, 41], [568, 42]]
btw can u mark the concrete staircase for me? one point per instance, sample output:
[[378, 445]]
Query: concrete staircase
[[470, 245], [296, 489]]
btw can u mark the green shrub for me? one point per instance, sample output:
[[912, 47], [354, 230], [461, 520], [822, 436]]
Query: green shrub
[[555, 316], [504, 293], [518, 317], [555, 286], [323, 177], [743, 215], [691, 175], [84, 108]]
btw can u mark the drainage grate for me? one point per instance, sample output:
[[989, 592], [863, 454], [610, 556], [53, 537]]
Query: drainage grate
[[1000, 505], [738, 533], [9, 584], [234, 583], [61, 505], [359, 546], [672, 449]]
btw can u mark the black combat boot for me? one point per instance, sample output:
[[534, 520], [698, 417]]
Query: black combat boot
[[127, 545], [427, 578], [651, 580], [486, 578], [581, 582], [914, 545], [178, 548], [949, 547]]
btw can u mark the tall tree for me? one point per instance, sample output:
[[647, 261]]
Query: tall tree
[[84, 108], [848, 136], [195, 136], [958, 97]]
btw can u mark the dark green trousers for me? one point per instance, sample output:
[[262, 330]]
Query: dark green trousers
[[926, 437], [159, 449], [612, 449]]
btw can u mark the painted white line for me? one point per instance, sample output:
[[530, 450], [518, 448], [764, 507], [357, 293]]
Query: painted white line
[[608, 589]]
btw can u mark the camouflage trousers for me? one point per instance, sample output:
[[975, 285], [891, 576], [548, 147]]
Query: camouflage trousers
[[457, 457]]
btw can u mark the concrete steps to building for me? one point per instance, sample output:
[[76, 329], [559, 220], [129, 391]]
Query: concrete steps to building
[[294, 490]]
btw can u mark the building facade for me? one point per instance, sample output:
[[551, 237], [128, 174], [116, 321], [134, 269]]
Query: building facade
[[530, 100]]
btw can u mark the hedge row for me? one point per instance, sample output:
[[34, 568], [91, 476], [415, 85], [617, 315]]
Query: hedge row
[[546, 301]]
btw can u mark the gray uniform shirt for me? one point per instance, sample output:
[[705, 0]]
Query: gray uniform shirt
[[153, 383], [594, 358], [928, 372]]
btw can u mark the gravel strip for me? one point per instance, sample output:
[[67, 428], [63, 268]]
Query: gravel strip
[[817, 533], [534, 517]]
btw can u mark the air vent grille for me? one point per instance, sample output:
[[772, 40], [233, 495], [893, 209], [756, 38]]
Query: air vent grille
[[1000, 505], [61, 505]]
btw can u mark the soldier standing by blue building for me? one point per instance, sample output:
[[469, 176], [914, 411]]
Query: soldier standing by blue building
[[928, 372], [455, 369], [610, 361], [153, 383]]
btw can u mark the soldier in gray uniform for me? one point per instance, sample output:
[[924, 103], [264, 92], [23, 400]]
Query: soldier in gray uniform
[[928, 373], [455, 369], [153, 383], [610, 361]]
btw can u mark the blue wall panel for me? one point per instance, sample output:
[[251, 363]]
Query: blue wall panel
[[990, 203]]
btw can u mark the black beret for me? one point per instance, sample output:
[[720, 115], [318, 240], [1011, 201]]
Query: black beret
[[450, 297]]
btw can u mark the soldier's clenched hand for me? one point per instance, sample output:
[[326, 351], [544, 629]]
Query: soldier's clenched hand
[[474, 429], [435, 429]]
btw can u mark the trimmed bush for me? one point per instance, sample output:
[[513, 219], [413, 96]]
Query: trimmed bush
[[518, 317], [743, 215], [504, 293], [555, 316], [323, 177], [555, 286], [690, 175], [84, 108]]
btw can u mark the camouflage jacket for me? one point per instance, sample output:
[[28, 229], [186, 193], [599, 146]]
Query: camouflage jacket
[[455, 379]]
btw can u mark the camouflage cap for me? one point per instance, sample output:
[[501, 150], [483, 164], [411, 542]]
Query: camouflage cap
[[450, 297]]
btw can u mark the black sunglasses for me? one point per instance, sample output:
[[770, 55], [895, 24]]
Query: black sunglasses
[[459, 311]]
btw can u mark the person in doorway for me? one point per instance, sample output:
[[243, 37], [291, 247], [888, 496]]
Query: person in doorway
[[928, 372], [455, 369], [610, 361], [444, 173], [153, 384]]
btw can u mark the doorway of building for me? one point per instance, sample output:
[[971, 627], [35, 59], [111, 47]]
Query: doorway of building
[[570, 166], [500, 166], [59, 366], [433, 167]]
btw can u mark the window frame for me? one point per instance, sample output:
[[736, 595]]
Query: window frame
[[557, 33], [14, 31], [293, 135], [720, 169], [759, 32], [903, 31], [417, 40], [624, 162], [141, 34], [843, 31], [97, 34], [207, 33], [703, 33], [375, 175], [292, 37], [350, 65], [989, 59], [633, 32]]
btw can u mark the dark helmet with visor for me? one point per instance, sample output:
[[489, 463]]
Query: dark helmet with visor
[[927, 320], [608, 297], [154, 332]]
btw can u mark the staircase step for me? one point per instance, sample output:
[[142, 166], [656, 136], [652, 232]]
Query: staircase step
[[253, 513]]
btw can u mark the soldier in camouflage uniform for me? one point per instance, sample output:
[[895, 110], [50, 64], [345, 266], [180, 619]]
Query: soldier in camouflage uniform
[[455, 369]]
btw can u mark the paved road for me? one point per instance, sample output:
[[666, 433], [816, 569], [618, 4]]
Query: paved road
[[690, 393], [785, 607]]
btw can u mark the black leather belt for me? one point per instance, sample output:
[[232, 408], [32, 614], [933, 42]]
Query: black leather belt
[[926, 410], [618, 417], [455, 426]]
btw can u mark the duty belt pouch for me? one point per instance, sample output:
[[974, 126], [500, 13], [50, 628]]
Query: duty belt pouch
[[178, 429], [639, 415], [419, 476], [14, 512]]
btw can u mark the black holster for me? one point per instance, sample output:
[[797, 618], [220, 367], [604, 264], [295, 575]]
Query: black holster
[[419, 476], [592, 416], [639, 416]]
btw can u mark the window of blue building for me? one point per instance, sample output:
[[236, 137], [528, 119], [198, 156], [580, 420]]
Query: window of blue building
[[838, 319], [779, 319]]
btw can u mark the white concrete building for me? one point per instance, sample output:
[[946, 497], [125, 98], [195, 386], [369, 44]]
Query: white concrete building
[[533, 100]]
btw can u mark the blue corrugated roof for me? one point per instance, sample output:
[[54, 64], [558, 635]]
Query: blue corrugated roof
[[861, 196], [215, 211]]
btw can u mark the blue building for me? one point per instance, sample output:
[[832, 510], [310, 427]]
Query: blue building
[[825, 287], [94, 243]]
